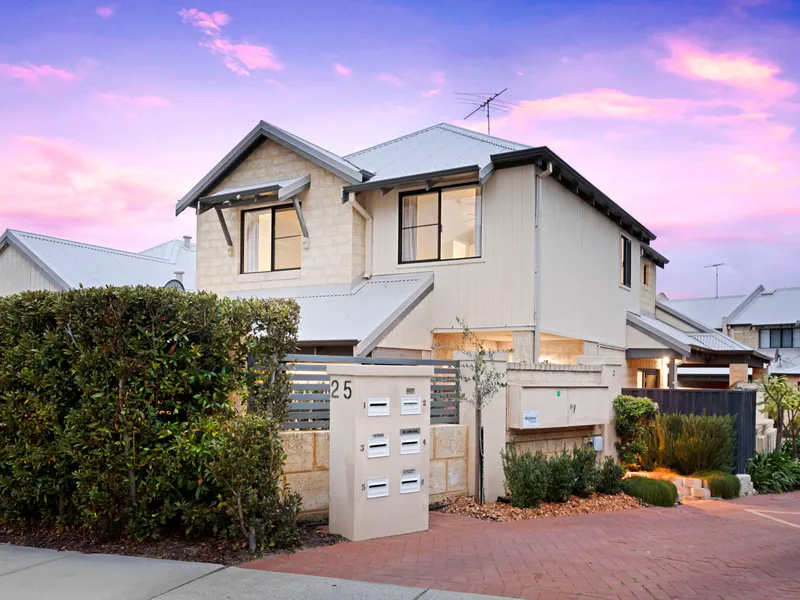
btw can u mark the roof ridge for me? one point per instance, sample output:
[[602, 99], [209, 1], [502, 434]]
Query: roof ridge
[[480, 136], [92, 246], [387, 142]]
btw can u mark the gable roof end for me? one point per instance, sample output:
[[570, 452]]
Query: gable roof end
[[316, 154]]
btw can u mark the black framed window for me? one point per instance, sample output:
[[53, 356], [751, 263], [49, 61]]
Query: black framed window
[[778, 338], [271, 240], [625, 261], [440, 225]]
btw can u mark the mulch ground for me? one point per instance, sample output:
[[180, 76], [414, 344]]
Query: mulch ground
[[174, 547], [500, 511]]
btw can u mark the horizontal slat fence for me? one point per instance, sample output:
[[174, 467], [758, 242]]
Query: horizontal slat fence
[[739, 403], [310, 393]]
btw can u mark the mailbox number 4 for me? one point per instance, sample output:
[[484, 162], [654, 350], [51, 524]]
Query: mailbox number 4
[[347, 390]]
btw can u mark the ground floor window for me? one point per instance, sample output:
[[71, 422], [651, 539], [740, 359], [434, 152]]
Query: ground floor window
[[649, 378]]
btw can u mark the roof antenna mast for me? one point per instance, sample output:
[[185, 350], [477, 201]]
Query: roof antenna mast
[[481, 102], [716, 267]]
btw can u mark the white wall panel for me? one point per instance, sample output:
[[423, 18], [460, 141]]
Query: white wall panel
[[18, 274]]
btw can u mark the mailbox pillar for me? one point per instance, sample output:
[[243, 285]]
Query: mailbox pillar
[[379, 450]]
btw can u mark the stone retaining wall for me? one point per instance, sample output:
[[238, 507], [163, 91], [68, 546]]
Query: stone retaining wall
[[306, 467]]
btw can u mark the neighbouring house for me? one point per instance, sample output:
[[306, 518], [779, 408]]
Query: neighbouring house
[[767, 320], [29, 261]]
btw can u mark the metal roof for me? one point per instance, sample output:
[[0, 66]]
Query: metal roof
[[438, 148], [360, 314], [787, 362], [72, 264], [778, 307], [316, 154], [709, 311], [271, 185]]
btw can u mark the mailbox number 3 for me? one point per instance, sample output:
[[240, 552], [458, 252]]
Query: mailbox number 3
[[347, 393]]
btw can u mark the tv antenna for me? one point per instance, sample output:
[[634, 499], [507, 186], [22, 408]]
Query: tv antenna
[[716, 267], [485, 101]]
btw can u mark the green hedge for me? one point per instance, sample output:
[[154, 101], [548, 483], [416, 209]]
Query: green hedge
[[722, 485], [114, 403], [655, 492], [632, 417], [689, 443]]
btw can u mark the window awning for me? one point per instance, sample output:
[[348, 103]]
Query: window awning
[[276, 190]]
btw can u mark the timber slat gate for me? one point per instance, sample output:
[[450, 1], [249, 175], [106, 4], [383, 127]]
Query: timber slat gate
[[310, 393], [739, 403]]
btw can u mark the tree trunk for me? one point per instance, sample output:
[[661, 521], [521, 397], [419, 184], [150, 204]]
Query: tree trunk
[[779, 427], [478, 456]]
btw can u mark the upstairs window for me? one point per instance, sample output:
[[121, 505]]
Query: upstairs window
[[270, 240], [779, 338], [646, 274], [440, 225], [625, 261]]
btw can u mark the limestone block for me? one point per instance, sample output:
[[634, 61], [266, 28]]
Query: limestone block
[[692, 482], [299, 449], [450, 441], [456, 474], [322, 449], [314, 487], [701, 493], [438, 477]]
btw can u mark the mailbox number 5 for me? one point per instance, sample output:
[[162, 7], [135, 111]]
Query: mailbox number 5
[[348, 391]]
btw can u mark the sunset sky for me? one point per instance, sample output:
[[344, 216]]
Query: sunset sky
[[685, 113]]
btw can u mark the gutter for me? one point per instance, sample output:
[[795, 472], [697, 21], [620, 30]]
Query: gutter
[[537, 261], [356, 206]]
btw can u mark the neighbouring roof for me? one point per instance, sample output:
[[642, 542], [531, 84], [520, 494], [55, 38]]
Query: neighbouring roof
[[73, 264], [359, 314], [685, 342], [777, 307], [709, 311], [787, 362]]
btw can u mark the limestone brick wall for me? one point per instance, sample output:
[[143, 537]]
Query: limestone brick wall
[[563, 351], [647, 293], [553, 441], [307, 464], [745, 334], [634, 364], [335, 232]]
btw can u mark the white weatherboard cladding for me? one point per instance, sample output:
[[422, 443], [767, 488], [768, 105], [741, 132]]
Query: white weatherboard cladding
[[581, 292], [495, 290], [18, 273], [664, 316]]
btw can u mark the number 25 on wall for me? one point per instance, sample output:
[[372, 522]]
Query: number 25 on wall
[[347, 392]]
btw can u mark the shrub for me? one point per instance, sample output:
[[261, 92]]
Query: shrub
[[774, 472], [655, 492], [632, 417], [525, 477], [609, 480], [585, 470], [690, 443], [560, 477], [722, 485], [105, 394]]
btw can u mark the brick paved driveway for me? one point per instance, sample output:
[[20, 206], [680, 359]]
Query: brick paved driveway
[[710, 549]]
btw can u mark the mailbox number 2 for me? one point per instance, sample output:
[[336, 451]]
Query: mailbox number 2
[[347, 390]]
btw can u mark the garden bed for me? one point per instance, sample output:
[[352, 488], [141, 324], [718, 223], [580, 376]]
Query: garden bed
[[223, 552], [501, 511]]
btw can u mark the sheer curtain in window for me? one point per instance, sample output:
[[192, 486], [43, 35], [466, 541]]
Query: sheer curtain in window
[[410, 235], [251, 234]]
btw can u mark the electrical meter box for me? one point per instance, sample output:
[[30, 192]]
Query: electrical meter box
[[380, 425]]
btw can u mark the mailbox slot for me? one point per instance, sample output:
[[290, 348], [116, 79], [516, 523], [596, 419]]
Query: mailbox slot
[[410, 443], [378, 447], [378, 407], [410, 405], [409, 483], [377, 487]]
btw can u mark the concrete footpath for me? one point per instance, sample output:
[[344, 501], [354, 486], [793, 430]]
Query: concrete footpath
[[35, 574]]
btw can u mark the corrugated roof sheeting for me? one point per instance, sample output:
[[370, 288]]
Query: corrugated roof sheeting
[[243, 189], [433, 149], [357, 313], [779, 307], [706, 310], [787, 363], [95, 266]]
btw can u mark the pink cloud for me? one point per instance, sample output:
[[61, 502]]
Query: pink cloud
[[735, 70], [438, 78], [140, 101], [430, 93], [33, 74], [342, 70], [390, 79], [105, 12], [83, 196], [243, 58], [208, 23]]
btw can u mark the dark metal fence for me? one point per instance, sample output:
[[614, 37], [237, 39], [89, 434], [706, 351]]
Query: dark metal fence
[[310, 394], [739, 403]]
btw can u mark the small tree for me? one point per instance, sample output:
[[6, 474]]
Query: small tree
[[782, 400], [486, 381]]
